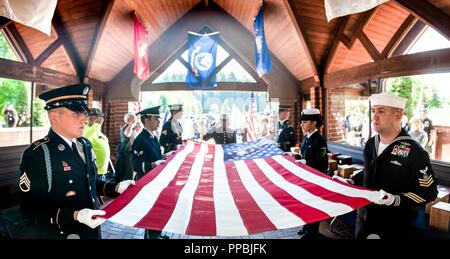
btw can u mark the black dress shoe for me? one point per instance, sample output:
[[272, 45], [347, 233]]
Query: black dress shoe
[[162, 237], [310, 236], [301, 232]]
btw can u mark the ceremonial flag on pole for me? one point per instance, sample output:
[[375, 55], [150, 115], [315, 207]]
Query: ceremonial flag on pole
[[337, 8], [250, 119], [140, 50], [202, 60], [37, 14], [263, 63], [233, 190]]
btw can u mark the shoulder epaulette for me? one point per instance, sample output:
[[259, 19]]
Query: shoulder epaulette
[[39, 142]]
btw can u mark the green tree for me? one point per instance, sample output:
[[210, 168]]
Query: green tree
[[17, 93], [408, 88], [5, 49]]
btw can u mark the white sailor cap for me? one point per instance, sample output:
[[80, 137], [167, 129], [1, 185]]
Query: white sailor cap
[[310, 114], [388, 99]]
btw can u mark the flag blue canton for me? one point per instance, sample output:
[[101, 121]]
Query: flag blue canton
[[202, 60], [259, 148], [263, 63]]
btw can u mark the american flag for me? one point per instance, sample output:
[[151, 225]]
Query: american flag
[[250, 118], [203, 191]]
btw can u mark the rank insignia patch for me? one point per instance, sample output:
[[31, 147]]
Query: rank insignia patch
[[400, 150], [24, 184]]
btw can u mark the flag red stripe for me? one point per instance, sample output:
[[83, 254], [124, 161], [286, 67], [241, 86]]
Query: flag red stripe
[[121, 201], [354, 202], [160, 213], [254, 219], [203, 217], [307, 213]]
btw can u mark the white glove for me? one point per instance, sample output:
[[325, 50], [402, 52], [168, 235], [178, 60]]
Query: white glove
[[88, 217], [342, 179], [159, 162], [170, 153], [385, 198], [303, 161], [122, 186]]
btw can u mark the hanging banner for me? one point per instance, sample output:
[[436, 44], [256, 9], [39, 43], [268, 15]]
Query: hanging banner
[[263, 63], [202, 60]]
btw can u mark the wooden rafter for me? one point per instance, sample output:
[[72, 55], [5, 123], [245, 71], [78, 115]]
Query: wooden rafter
[[302, 35], [434, 61], [48, 51], [362, 22], [368, 45], [430, 14], [18, 43], [413, 34], [399, 34], [4, 22], [68, 45], [98, 34], [340, 26], [21, 71]]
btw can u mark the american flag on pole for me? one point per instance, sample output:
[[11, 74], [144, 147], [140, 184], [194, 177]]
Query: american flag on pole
[[250, 118], [233, 190]]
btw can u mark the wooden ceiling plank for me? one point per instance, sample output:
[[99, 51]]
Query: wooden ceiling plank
[[18, 43], [362, 22], [98, 34], [399, 34], [21, 71], [69, 46], [368, 45], [48, 51], [434, 61], [302, 35], [430, 14], [340, 26]]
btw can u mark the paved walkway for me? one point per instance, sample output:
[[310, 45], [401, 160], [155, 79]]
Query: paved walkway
[[340, 230]]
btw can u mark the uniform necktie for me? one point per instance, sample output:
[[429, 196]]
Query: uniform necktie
[[303, 147], [77, 154]]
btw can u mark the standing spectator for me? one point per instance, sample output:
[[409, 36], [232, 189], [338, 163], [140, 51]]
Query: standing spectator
[[10, 115], [286, 133], [417, 133], [128, 132], [221, 134], [429, 129], [396, 166], [100, 143]]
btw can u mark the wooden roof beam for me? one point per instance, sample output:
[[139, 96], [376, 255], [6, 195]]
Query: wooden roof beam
[[98, 34], [411, 36], [362, 22], [398, 36], [340, 26], [434, 61], [68, 45], [48, 51], [18, 43], [21, 71], [430, 14], [368, 45], [4, 22], [303, 36]]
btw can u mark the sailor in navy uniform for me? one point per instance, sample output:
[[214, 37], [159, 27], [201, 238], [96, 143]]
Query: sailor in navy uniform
[[172, 129], [146, 153], [314, 151], [286, 133], [222, 134], [58, 185]]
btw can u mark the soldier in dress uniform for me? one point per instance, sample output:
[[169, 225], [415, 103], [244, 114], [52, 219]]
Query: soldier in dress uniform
[[146, 153], [58, 185], [222, 134], [172, 130], [399, 168], [286, 132], [314, 151]]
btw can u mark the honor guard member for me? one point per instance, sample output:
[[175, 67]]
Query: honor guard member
[[222, 134], [172, 130], [314, 151], [58, 185], [146, 153], [286, 132], [399, 168]]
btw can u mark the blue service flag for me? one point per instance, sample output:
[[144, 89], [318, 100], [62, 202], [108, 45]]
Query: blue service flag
[[202, 60], [263, 64]]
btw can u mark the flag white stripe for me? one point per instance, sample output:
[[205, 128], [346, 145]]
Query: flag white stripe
[[181, 215], [326, 183], [141, 204], [277, 214], [228, 219], [301, 194]]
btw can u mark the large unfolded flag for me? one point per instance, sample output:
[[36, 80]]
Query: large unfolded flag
[[140, 50], [37, 14], [250, 130], [263, 63], [233, 190], [202, 60], [337, 8]]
